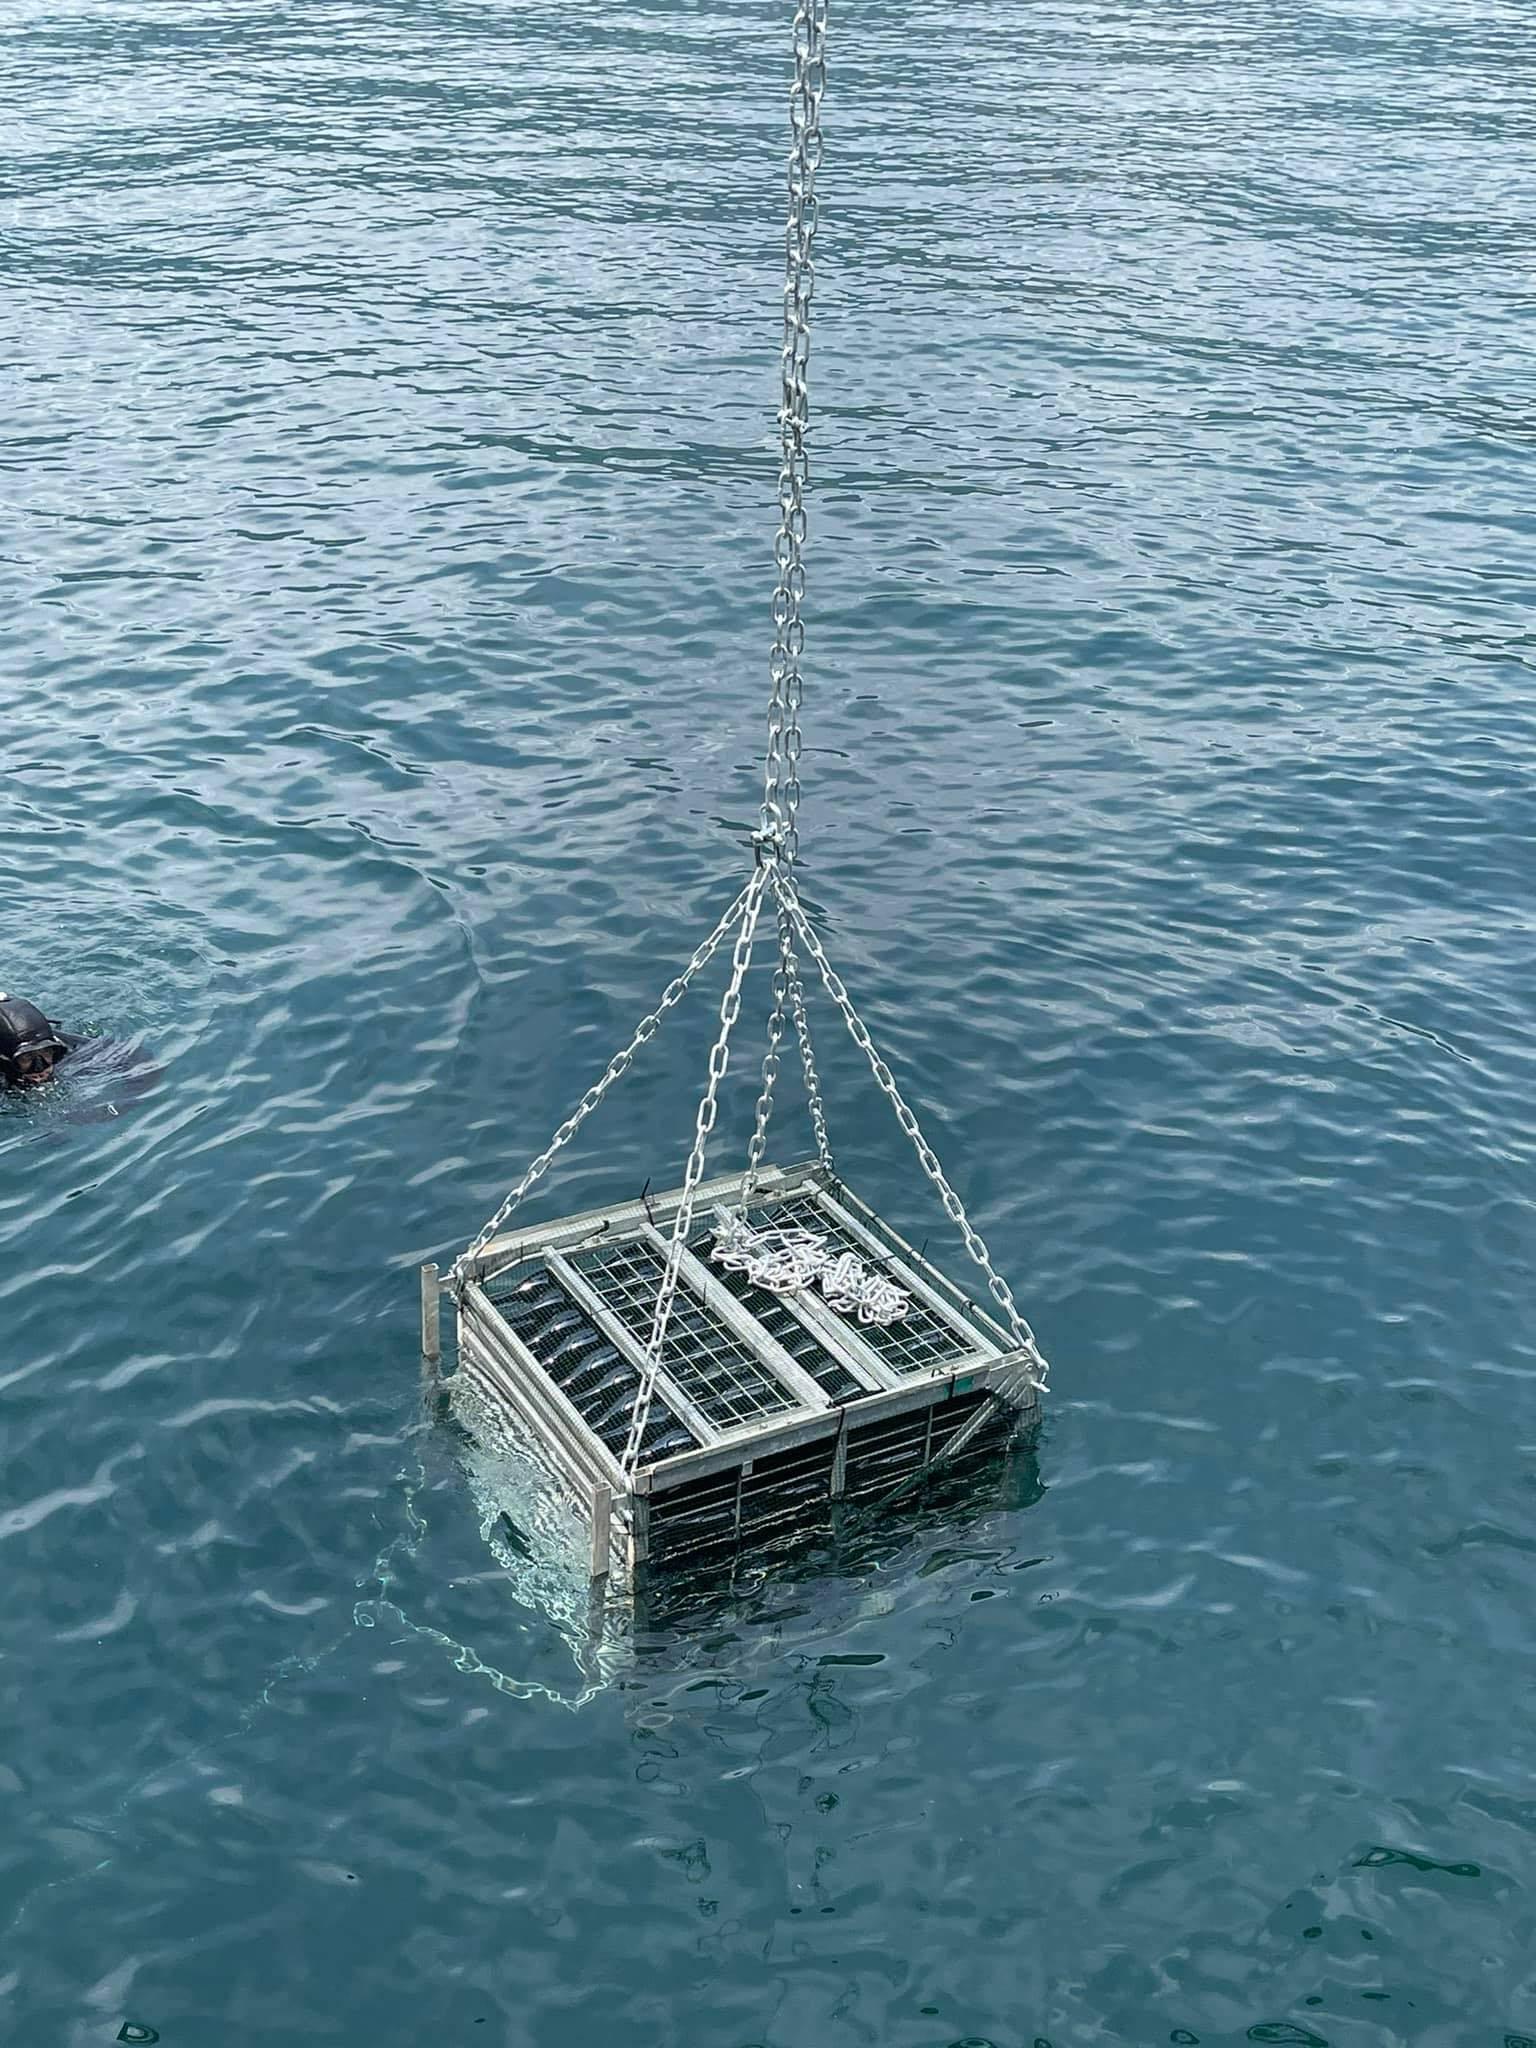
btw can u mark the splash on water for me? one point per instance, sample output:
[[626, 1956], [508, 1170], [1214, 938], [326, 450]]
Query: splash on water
[[539, 1545]]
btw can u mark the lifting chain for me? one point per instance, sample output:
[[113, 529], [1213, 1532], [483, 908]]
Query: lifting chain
[[781, 782], [619, 1064], [719, 1059], [777, 840], [791, 966], [1001, 1293], [787, 989], [759, 1141], [779, 836]]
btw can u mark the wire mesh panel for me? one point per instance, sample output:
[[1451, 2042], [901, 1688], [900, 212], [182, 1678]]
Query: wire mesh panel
[[595, 1377], [778, 1318], [710, 1364], [978, 1315]]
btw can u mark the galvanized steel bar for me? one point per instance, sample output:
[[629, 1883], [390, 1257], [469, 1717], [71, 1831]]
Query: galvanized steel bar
[[431, 1314]]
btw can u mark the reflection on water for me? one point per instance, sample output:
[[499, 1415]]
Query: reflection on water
[[538, 1552]]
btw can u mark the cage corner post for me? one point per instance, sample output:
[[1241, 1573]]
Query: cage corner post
[[431, 1317], [602, 1532]]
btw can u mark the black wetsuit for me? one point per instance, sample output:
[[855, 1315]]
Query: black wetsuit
[[121, 1070]]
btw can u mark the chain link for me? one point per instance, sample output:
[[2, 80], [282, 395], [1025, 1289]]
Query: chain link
[[759, 1141], [779, 837], [781, 781], [791, 967], [953, 1207], [618, 1065], [788, 989], [719, 1060]]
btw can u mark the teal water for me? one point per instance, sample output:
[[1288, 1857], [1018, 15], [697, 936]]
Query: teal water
[[387, 484]]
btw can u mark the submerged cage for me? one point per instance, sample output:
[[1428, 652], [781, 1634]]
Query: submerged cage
[[768, 1407]]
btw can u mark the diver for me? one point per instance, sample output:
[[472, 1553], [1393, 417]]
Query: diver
[[31, 1045], [105, 1073]]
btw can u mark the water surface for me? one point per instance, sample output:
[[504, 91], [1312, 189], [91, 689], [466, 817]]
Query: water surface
[[387, 486]]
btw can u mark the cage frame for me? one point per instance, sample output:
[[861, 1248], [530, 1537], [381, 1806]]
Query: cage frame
[[623, 1510]]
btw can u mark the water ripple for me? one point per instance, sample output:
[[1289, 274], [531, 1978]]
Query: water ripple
[[387, 505]]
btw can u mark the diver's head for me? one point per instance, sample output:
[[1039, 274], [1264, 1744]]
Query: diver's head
[[29, 1045]]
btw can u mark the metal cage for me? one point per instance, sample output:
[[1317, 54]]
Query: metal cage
[[768, 1408]]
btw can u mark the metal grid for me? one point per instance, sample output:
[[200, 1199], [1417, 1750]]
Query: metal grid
[[888, 1453], [897, 1248], [785, 1495], [921, 1342], [784, 1326], [704, 1356], [595, 1377], [788, 1508]]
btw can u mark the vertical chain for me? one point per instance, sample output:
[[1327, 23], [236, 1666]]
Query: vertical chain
[[791, 967], [779, 837], [788, 989], [719, 1059], [781, 781], [618, 1065], [1001, 1293], [759, 1141]]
